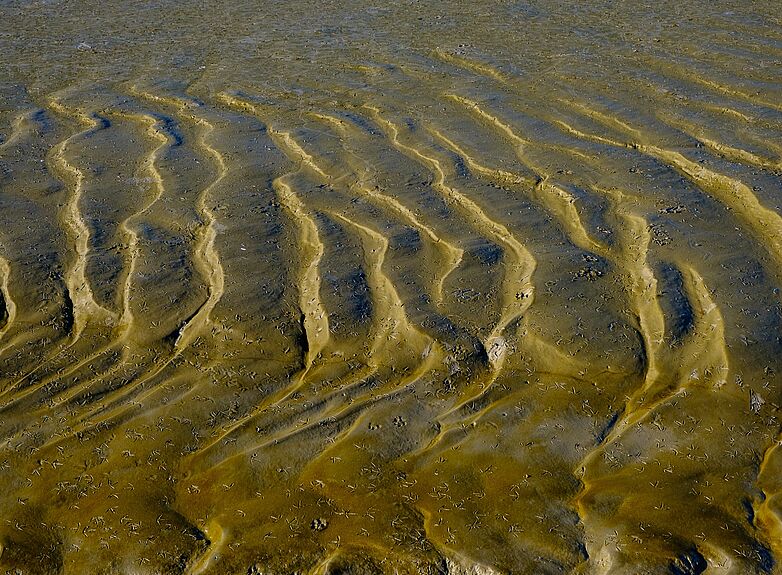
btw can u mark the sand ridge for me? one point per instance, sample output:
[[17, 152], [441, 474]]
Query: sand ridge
[[390, 289]]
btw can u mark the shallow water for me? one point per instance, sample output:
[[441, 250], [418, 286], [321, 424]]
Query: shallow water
[[416, 287]]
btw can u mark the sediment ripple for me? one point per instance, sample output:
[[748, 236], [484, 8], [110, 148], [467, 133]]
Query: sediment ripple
[[83, 300], [400, 288]]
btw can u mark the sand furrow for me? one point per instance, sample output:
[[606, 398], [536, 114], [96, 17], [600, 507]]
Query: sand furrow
[[701, 362], [206, 255], [556, 200], [85, 308], [451, 254], [768, 511], [667, 372], [391, 330], [314, 318], [154, 129], [394, 334], [315, 420], [765, 223], [73, 368], [393, 326], [520, 142], [568, 129], [471, 65], [285, 141], [519, 291], [739, 155], [706, 350], [115, 403], [686, 73], [502, 177], [7, 305], [605, 119], [730, 153], [71, 393], [641, 286], [206, 252], [347, 414]]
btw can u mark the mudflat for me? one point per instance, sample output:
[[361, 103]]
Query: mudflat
[[468, 288]]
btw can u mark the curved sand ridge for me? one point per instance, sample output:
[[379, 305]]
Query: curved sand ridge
[[83, 300], [730, 191], [394, 324], [704, 351], [557, 200], [405, 310], [519, 291], [152, 128], [452, 255], [9, 307], [84, 308], [207, 255], [314, 318], [766, 223]]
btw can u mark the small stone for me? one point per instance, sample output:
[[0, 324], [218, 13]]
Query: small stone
[[755, 402], [497, 350]]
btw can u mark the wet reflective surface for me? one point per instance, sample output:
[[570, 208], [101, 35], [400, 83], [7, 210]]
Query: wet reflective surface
[[413, 288]]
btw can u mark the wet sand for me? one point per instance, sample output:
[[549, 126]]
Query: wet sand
[[469, 289]]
